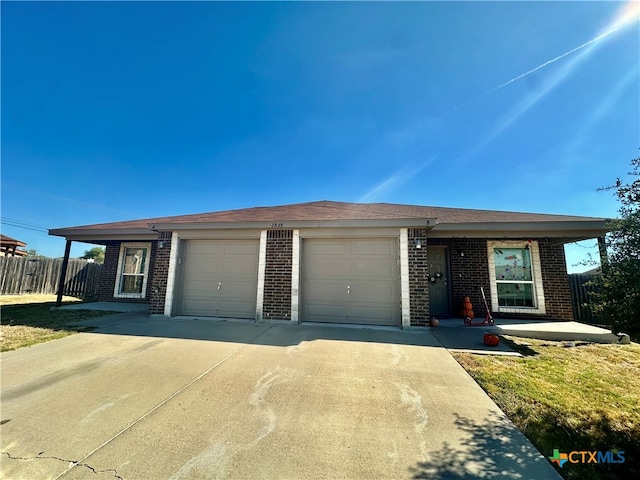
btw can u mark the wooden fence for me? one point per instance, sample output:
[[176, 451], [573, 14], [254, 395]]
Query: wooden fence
[[41, 275], [581, 289]]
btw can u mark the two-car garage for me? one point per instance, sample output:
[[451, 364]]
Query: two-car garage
[[341, 280]]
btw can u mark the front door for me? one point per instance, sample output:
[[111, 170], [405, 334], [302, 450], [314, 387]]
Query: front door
[[438, 281]]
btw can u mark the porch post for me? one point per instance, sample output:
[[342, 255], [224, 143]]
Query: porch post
[[63, 272], [602, 249]]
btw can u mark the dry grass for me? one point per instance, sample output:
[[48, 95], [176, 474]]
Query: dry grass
[[34, 298], [28, 319], [581, 398]]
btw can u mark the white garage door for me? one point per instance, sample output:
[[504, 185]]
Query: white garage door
[[219, 278], [351, 281]]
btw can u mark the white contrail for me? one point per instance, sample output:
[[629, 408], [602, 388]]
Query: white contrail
[[619, 24], [395, 180], [559, 57]]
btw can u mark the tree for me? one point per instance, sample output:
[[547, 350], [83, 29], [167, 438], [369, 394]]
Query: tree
[[95, 253], [618, 300], [33, 253]]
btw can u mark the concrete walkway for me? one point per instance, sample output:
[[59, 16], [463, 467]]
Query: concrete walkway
[[540, 329], [159, 398]]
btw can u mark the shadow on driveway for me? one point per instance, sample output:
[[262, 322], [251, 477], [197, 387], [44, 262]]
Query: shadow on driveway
[[492, 449], [279, 334]]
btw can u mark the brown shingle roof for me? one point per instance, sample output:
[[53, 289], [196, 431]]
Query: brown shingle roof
[[8, 241], [329, 210]]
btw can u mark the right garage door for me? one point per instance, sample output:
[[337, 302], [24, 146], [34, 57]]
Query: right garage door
[[351, 281]]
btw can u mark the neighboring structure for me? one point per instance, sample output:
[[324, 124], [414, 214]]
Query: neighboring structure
[[378, 263], [9, 247]]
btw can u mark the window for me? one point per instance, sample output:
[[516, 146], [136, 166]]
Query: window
[[514, 280], [133, 269], [514, 269]]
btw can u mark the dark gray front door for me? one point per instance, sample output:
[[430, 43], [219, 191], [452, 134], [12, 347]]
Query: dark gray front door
[[438, 281]]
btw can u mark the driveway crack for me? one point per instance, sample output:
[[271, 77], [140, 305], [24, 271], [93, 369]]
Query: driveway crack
[[70, 463]]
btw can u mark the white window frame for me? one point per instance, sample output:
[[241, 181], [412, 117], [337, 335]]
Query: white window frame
[[536, 273], [118, 283]]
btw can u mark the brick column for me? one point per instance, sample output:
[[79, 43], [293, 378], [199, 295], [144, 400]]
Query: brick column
[[418, 276], [160, 274], [277, 275], [555, 280]]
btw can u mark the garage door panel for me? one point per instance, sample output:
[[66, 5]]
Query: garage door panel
[[235, 309], [196, 247], [232, 265], [326, 248], [199, 287], [325, 290], [327, 269], [370, 314], [195, 306], [368, 267], [376, 268], [237, 289], [329, 313], [234, 248], [241, 267], [372, 248], [375, 293]]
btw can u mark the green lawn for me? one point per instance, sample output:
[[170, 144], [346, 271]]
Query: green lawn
[[583, 398], [28, 319]]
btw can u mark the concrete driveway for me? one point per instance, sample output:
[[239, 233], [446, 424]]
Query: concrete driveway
[[148, 398]]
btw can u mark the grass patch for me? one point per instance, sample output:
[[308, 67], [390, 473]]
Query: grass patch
[[28, 320], [581, 398]]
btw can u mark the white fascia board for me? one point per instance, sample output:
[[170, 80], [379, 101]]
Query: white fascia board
[[292, 225], [528, 226], [103, 237], [573, 230]]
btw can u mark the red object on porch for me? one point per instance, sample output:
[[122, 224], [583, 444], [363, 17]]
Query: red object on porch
[[491, 339]]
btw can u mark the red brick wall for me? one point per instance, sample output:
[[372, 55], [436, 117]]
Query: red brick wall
[[277, 275], [469, 272], [110, 271], [160, 274], [555, 280], [418, 277]]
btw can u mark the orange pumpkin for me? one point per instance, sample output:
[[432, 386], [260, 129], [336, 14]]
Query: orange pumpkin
[[467, 308], [491, 339]]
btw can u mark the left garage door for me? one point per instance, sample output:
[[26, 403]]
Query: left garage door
[[219, 278]]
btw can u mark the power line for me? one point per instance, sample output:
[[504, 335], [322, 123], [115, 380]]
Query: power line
[[28, 224], [25, 226]]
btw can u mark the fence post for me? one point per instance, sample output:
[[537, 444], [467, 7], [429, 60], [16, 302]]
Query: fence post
[[63, 272]]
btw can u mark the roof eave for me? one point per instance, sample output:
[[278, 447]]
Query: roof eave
[[569, 231], [296, 224], [89, 235]]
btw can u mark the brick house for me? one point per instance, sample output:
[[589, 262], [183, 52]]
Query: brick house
[[380, 264]]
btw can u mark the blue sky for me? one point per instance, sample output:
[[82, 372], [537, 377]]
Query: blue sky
[[116, 111]]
